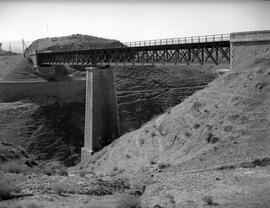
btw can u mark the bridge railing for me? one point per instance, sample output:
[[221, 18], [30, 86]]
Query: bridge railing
[[182, 40]]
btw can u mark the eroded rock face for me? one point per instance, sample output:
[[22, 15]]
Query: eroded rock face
[[147, 91], [49, 132]]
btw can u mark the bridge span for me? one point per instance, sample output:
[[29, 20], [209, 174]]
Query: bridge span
[[101, 112], [213, 49], [101, 116]]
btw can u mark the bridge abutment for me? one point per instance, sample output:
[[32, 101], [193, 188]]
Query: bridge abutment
[[247, 46], [101, 114]]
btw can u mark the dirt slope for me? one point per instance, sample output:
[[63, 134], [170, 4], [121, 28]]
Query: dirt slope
[[16, 67], [225, 125], [227, 122]]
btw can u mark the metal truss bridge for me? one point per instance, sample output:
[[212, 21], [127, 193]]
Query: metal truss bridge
[[213, 49]]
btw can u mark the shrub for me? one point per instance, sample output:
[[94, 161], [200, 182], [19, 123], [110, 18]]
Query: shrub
[[208, 200], [163, 165], [7, 189], [153, 162], [211, 138], [196, 126], [128, 201]]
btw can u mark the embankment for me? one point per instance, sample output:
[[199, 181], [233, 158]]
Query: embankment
[[65, 91]]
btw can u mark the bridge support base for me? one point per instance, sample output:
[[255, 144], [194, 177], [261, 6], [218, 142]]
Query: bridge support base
[[86, 154], [248, 46], [101, 114]]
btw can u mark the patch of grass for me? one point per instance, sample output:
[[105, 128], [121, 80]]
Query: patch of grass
[[7, 190], [128, 201]]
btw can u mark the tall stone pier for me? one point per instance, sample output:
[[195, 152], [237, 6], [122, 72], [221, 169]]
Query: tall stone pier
[[101, 114], [248, 45]]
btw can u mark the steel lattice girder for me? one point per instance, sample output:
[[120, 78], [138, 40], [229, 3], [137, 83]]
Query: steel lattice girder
[[215, 52]]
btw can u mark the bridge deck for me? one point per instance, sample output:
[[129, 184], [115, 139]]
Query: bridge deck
[[202, 49]]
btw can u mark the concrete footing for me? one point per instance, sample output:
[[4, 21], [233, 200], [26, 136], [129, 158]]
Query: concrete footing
[[86, 153]]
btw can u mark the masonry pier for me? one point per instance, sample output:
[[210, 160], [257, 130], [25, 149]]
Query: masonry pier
[[101, 114]]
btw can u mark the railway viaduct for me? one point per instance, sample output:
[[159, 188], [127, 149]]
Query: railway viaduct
[[101, 116]]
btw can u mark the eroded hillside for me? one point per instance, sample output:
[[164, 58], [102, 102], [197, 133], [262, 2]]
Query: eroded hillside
[[222, 127]]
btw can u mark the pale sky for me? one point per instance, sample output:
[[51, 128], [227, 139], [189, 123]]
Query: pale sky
[[130, 20]]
